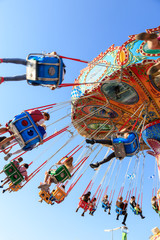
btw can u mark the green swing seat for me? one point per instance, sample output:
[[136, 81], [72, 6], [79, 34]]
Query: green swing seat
[[61, 174], [13, 173]]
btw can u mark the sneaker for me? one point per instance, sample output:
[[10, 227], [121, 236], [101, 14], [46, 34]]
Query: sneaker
[[40, 200], [3, 191], [146, 36], [124, 223], [94, 165], [105, 210], [8, 156], [91, 141], [109, 213], [82, 214], [142, 217], [1, 186]]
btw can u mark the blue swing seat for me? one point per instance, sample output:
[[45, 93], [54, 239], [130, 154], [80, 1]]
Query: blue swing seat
[[134, 210], [45, 70], [105, 206], [26, 131], [119, 210], [130, 145]]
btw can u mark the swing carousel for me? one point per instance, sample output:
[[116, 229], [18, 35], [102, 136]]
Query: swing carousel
[[111, 94]]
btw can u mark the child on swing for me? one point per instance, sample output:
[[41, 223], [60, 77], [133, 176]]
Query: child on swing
[[86, 198], [23, 170], [92, 206], [107, 204], [49, 175]]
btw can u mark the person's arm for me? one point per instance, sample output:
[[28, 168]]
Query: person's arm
[[52, 54], [59, 162], [40, 122], [26, 178]]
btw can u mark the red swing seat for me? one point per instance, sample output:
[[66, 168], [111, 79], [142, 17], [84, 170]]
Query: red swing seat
[[83, 204]]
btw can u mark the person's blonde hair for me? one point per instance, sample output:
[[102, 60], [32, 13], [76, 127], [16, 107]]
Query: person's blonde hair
[[68, 162]]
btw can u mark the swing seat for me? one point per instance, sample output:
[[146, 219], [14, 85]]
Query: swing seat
[[92, 208], [61, 174], [156, 209], [45, 196], [42, 69], [15, 188], [13, 173], [105, 206], [26, 131], [59, 194], [119, 150], [119, 210], [83, 204], [127, 146], [134, 210]]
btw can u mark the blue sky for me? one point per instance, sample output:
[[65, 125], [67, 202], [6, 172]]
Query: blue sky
[[80, 29]]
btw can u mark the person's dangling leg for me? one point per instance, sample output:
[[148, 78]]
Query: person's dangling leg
[[3, 130], [141, 215], [107, 159], [7, 180], [77, 209], [10, 154], [46, 177], [109, 210], [6, 140], [117, 217], [13, 60], [125, 217], [15, 78], [102, 141]]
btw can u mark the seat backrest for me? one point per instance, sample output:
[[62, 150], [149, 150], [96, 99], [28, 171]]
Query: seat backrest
[[119, 210], [62, 174], [13, 173], [26, 132], [131, 143]]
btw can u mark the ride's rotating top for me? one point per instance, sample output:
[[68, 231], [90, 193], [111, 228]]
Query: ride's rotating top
[[118, 89]]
